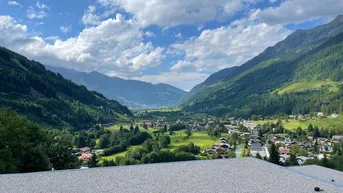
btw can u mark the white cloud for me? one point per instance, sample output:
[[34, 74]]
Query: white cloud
[[53, 38], [183, 80], [66, 28], [176, 12], [226, 46], [149, 34], [298, 11], [179, 36], [31, 13], [41, 5], [14, 3], [115, 44], [90, 17]]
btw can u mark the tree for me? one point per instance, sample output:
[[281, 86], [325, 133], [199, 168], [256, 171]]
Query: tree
[[316, 132], [80, 141], [188, 132], [165, 141], [274, 156], [260, 134], [258, 156], [131, 127], [121, 129], [245, 152], [104, 141], [93, 162], [292, 161], [148, 145], [136, 130], [170, 131], [310, 128]]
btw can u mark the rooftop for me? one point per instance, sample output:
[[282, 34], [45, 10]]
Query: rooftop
[[224, 175]]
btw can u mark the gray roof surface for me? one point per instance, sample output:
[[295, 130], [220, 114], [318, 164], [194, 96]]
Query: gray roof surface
[[224, 175], [321, 173]]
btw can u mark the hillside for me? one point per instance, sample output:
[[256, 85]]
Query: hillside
[[133, 93], [305, 57], [295, 45], [47, 98]]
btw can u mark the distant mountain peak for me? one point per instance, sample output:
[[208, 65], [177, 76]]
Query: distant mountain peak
[[133, 93]]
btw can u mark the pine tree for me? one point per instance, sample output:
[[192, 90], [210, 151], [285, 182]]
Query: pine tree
[[292, 161], [258, 156], [131, 127], [274, 155]]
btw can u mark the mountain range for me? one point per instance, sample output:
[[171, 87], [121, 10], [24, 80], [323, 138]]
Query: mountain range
[[300, 74], [132, 93], [47, 98]]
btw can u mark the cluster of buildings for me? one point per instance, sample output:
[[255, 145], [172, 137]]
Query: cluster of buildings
[[86, 153], [221, 147]]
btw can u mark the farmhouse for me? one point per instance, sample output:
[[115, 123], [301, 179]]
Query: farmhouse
[[337, 138]]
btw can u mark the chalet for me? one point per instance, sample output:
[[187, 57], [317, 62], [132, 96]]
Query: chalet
[[310, 138], [337, 138], [284, 151]]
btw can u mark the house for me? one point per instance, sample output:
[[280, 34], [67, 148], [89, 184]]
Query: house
[[284, 151], [230, 127], [310, 138], [287, 140], [256, 148], [292, 116], [337, 138], [320, 114], [334, 116], [85, 156], [85, 150]]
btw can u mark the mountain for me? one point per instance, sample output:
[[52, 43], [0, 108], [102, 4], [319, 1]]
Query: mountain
[[300, 74], [133, 93], [47, 98]]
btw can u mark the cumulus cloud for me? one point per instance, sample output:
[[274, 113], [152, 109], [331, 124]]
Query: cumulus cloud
[[149, 34], [115, 44], [66, 28], [90, 17], [41, 5], [183, 80], [32, 13], [14, 3], [176, 12], [298, 11], [227, 46]]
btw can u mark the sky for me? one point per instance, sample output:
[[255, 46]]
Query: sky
[[178, 42]]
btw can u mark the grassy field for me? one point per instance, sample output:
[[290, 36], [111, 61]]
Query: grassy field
[[112, 157], [162, 110], [178, 138], [304, 86], [325, 123]]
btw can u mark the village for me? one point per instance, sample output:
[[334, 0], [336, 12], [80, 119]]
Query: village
[[241, 138]]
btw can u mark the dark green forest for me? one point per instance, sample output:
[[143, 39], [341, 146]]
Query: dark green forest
[[28, 147], [47, 98]]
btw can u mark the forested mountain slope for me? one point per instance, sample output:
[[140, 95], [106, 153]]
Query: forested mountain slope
[[265, 88], [47, 98], [295, 45], [133, 93]]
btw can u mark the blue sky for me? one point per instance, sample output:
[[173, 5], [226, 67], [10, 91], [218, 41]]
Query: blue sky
[[176, 42]]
